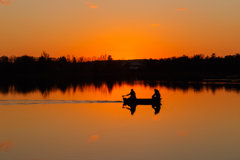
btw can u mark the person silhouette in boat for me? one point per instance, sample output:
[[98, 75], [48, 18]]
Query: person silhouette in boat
[[132, 105], [132, 95], [156, 95]]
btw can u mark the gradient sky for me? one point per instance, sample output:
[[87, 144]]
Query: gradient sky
[[129, 29]]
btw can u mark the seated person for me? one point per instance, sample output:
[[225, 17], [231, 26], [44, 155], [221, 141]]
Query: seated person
[[156, 95], [132, 94]]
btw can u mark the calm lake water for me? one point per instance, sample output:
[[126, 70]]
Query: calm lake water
[[89, 122]]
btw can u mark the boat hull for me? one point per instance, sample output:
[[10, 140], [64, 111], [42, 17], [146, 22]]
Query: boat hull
[[127, 101]]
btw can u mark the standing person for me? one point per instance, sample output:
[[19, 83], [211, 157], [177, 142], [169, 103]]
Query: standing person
[[156, 95], [132, 94]]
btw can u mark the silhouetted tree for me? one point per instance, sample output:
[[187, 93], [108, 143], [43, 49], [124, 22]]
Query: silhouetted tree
[[25, 59], [81, 59], [12, 59], [74, 60], [45, 55], [110, 58], [62, 59], [4, 59], [213, 56]]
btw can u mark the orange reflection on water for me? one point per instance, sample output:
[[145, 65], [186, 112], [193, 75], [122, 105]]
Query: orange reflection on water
[[5, 146], [185, 118], [156, 118], [93, 138], [182, 133]]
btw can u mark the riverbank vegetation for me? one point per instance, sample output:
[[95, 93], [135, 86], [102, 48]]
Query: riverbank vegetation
[[197, 67]]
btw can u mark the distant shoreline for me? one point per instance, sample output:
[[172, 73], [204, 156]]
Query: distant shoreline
[[197, 68]]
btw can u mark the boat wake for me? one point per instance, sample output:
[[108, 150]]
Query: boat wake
[[36, 102]]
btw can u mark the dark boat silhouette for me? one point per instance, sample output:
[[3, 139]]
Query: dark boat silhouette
[[127, 101]]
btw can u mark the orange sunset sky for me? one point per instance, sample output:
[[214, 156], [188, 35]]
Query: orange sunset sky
[[129, 29]]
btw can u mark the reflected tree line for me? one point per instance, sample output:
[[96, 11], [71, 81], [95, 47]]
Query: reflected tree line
[[46, 86], [182, 68]]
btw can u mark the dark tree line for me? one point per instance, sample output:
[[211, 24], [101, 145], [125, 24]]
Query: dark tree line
[[199, 63], [29, 65], [197, 67]]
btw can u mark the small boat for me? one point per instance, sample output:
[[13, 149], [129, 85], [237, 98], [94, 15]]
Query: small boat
[[127, 101]]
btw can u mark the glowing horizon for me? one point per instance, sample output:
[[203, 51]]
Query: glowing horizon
[[123, 29]]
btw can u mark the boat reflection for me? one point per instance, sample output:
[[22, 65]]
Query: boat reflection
[[132, 107], [157, 108]]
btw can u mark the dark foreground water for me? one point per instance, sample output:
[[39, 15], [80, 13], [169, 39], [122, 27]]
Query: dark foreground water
[[89, 122]]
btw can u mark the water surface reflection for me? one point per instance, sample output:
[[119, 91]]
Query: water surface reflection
[[133, 107], [45, 87], [191, 123]]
